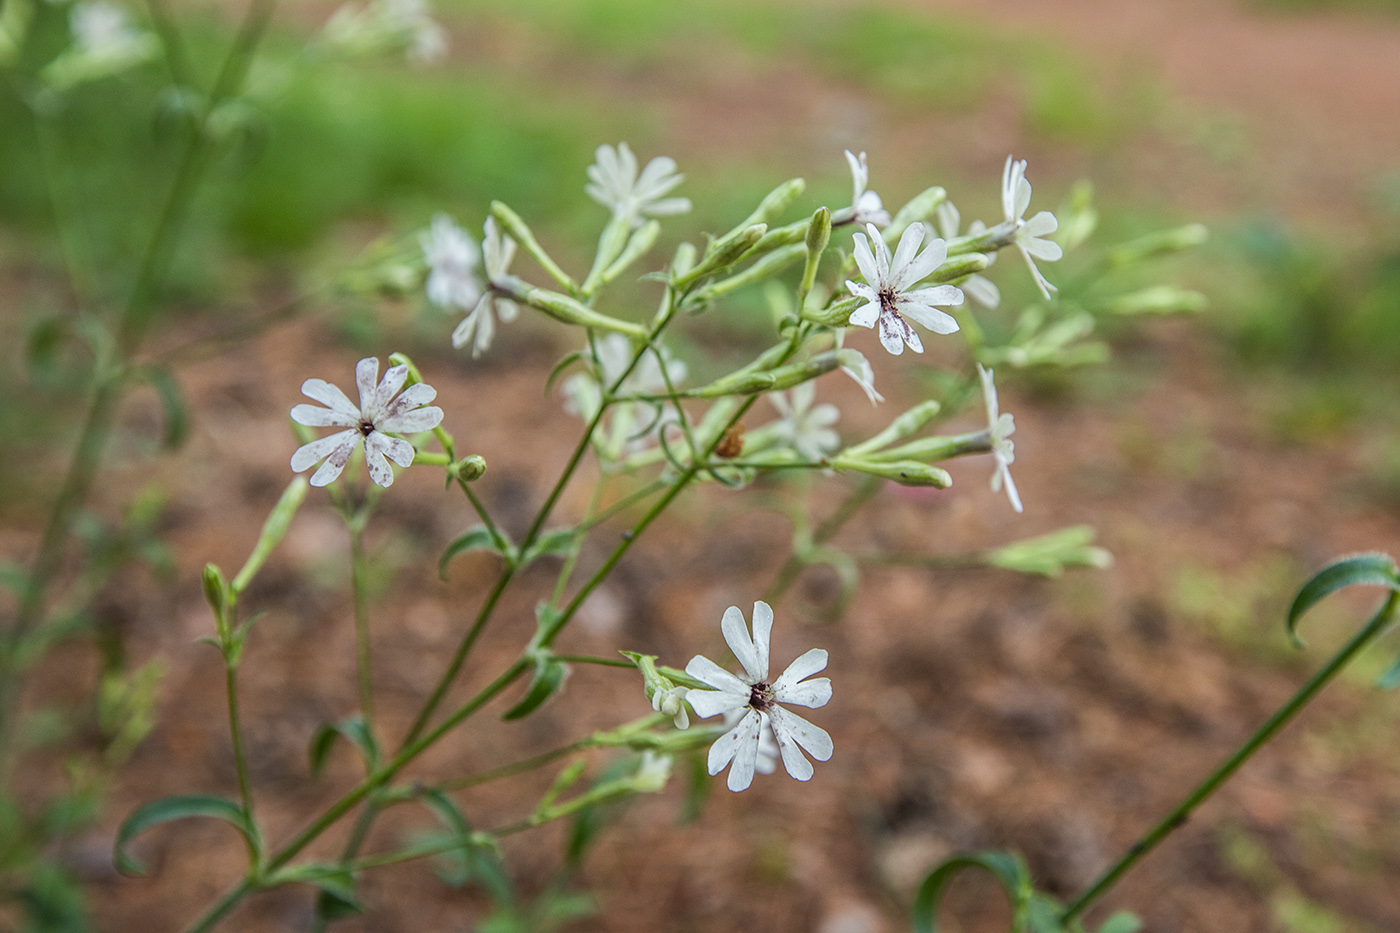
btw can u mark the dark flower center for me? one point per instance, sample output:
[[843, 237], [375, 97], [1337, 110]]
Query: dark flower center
[[887, 304], [760, 697], [366, 427]]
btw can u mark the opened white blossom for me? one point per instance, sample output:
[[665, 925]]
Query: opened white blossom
[[804, 427], [889, 293], [1000, 427], [452, 258], [478, 328], [977, 287], [382, 411], [759, 700], [866, 206], [616, 185], [1015, 198]]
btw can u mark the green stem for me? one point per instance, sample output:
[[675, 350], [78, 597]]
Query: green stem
[[1177, 817], [220, 908], [481, 512], [590, 659], [792, 568], [519, 767], [359, 585], [235, 729]]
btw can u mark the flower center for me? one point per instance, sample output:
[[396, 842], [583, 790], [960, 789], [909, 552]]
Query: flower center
[[366, 427], [761, 697], [887, 303]]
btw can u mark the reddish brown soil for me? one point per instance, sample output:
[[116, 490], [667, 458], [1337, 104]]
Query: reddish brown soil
[[1061, 718]]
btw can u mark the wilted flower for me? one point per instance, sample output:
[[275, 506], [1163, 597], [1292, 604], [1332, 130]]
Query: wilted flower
[[379, 412], [888, 284], [1000, 427], [1015, 198], [759, 700], [616, 185], [479, 327], [452, 257], [866, 207], [804, 428], [977, 287]]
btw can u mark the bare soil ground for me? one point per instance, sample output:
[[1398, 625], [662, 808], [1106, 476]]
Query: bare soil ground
[[974, 710]]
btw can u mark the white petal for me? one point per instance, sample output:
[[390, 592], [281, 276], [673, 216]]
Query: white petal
[[739, 745], [310, 454], [666, 207], [366, 375], [810, 693], [463, 332], [708, 672], [865, 316], [762, 631], [330, 396], [337, 460], [813, 738], [1040, 224], [922, 266], [411, 422], [982, 290], [891, 336], [865, 260], [805, 666], [316, 417], [707, 703], [415, 395], [904, 253], [1048, 250], [1023, 193], [736, 635], [389, 386], [949, 295], [940, 322], [882, 255], [379, 470], [396, 449]]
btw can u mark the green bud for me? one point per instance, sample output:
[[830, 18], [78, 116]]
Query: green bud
[[1049, 554], [273, 531], [937, 449], [215, 589], [652, 680], [818, 235], [775, 380], [684, 260], [957, 267], [903, 472], [837, 315], [767, 267], [901, 427], [1158, 299], [469, 468], [1161, 243], [778, 237], [522, 234], [643, 239], [988, 241], [566, 309], [920, 208], [400, 359], [722, 253]]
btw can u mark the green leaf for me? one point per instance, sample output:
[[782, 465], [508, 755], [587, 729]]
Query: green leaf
[[1007, 868], [1373, 569], [473, 861], [479, 538], [179, 808], [1121, 922], [549, 674], [353, 730], [554, 544]]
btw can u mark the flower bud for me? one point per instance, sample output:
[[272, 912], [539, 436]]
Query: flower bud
[[273, 531], [818, 235], [722, 253], [903, 472], [469, 468], [958, 267], [1161, 243], [774, 203], [901, 427], [1158, 299], [521, 233], [563, 308], [920, 208]]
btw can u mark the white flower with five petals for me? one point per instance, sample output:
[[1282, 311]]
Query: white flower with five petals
[[1000, 427], [1015, 198], [615, 184], [758, 700], [889, 293], [804, 427], [379, 412], [479, 327]]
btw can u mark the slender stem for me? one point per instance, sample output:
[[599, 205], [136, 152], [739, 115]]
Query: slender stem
[[220, 908], [235, 729], [576, 547], [519, 767], [480, 508], [792, 568], [359, 584], [590, 659], [1177, 817], [621, 504]]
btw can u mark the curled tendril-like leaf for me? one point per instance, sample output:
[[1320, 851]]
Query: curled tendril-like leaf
[[1373, 569], [1007, 868]]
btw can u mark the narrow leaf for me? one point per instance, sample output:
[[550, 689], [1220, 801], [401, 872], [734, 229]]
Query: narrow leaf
[[1008, 869], [178, 808], [555, 544], [1358, 570], [172, 400], [549, 674], [353, 730], [477, 539]]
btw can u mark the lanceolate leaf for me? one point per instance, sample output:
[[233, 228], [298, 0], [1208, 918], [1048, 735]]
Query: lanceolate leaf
[[475, 861], [336, 884], [178, 808], [1357, 570], [549, 674], [1008, 869], [477, 539]]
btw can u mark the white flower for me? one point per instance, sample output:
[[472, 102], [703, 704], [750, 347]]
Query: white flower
[[653, 771], [1015, 198], [584, 391], [804, 428], [452, 257], [379, 412], [479, 327], [616, 185], [101, 29], [759, 700], [1000, 428], [888, 288], [671, 701], [977, 287], [386, 25], [767, 761], [866, 207]]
